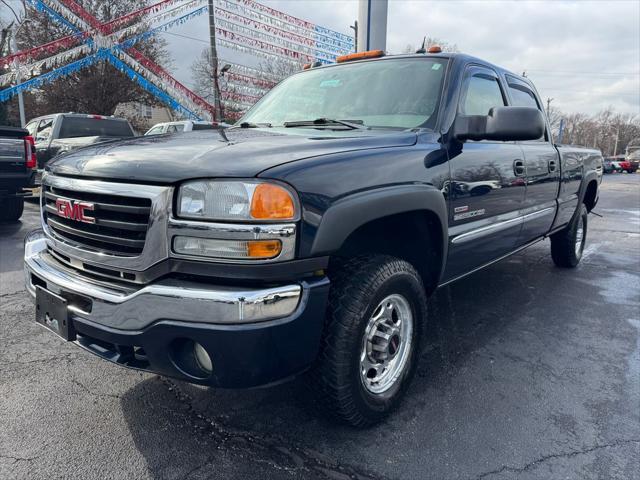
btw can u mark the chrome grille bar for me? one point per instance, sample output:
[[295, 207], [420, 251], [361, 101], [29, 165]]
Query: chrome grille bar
[[119, 223]]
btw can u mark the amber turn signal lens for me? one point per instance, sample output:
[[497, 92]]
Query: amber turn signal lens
[[264, 248], [272, 202]]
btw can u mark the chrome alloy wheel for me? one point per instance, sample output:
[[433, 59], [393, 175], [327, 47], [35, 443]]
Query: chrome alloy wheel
[[579, 237], [386, 345]]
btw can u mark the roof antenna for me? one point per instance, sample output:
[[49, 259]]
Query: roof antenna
[[422, 48]]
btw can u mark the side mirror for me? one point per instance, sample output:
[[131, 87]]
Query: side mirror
[[502, 124]]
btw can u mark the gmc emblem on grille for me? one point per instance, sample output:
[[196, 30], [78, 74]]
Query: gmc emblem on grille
[[74, 210]]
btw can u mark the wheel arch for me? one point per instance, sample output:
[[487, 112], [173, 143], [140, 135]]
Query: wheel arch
[[400, 220], [589, 195]]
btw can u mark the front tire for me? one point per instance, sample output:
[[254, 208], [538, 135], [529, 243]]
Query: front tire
[[377, 305], [11, 209], [568, 244]]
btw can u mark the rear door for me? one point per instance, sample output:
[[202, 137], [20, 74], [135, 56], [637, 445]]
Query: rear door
[[487, 188], [542, 165]]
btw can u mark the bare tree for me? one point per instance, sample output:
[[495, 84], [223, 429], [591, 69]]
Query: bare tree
[[278, 68], [5, 36], [555, 117], [607, 130], [270, 71], [432, 42], [202, 72]]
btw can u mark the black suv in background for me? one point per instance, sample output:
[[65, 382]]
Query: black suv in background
[[62, 132]]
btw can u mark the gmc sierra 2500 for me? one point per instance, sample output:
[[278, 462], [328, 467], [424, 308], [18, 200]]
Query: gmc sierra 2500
[[308, 237]]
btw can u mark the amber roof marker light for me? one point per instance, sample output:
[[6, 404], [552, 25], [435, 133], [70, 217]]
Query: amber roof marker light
[[434, 49], [360, 56]]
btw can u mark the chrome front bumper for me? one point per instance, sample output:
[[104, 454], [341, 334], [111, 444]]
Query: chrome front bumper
[[124, 307]]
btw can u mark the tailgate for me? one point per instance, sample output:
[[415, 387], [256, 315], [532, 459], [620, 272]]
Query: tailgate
[[12, 156]]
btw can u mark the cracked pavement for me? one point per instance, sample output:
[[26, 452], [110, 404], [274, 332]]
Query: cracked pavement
[[527, 372]]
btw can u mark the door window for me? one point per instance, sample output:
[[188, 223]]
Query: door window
[[44, 129], [175, 128], [155, 130], [521, 96], [483, 93], [31, 128]]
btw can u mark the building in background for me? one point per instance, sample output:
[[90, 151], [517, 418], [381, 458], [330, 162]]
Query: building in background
[[142, 116]]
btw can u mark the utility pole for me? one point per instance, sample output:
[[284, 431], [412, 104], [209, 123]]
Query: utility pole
[[217, 104], [549, 100], [23, 120], [615, 145], [354, 27]]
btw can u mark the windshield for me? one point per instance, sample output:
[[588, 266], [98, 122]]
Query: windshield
[[94, 127], [401, 93]]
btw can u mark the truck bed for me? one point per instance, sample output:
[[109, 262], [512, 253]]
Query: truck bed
[[12, 151]]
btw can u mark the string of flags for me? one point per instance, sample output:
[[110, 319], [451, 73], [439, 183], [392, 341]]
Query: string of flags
[[241, 25]]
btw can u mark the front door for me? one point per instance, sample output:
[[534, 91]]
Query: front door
[[487, 188]]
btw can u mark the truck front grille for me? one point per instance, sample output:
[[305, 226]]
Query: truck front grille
[[120, 225]]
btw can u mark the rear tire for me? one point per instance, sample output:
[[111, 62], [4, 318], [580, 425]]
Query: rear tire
[[11, 209], [370, 347], [568, 244]]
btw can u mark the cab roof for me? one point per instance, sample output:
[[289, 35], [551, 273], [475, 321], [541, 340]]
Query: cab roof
[[457, 57]]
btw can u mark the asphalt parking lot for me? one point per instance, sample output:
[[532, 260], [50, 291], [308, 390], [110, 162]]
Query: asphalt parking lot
[[528, 372]]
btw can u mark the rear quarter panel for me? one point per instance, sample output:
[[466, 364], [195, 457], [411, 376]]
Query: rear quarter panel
[[579, 166]]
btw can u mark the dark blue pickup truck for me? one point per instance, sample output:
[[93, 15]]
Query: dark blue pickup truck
[[308, 237]]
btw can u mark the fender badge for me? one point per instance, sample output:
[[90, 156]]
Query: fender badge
[[473, 213]]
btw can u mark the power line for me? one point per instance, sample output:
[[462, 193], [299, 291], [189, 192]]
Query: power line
[[587, 92], [567, 72], [186, 36]]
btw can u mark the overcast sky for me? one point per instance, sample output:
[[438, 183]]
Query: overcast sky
[[583, 54]]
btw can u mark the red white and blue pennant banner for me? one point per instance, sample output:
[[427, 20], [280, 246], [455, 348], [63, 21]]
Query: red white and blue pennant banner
[[242, 25], [253, 28]]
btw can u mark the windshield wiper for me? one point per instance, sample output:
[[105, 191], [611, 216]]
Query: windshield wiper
[[254, 125], [325, 122]]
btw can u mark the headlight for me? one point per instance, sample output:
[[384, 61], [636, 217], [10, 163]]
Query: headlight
[[235, 200]]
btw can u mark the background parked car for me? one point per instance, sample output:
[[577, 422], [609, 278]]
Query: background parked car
[[619, 164], [611, 165], [183, 126], [62, 132], [633, 157]]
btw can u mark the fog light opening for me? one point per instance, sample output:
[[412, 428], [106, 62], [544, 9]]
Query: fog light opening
[[191, 358], [203, 358]]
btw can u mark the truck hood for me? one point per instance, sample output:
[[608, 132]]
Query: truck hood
[[62, 145], [239, 153]]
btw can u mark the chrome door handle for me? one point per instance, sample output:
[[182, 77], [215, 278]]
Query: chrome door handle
[[552, 166], [519, 169]]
